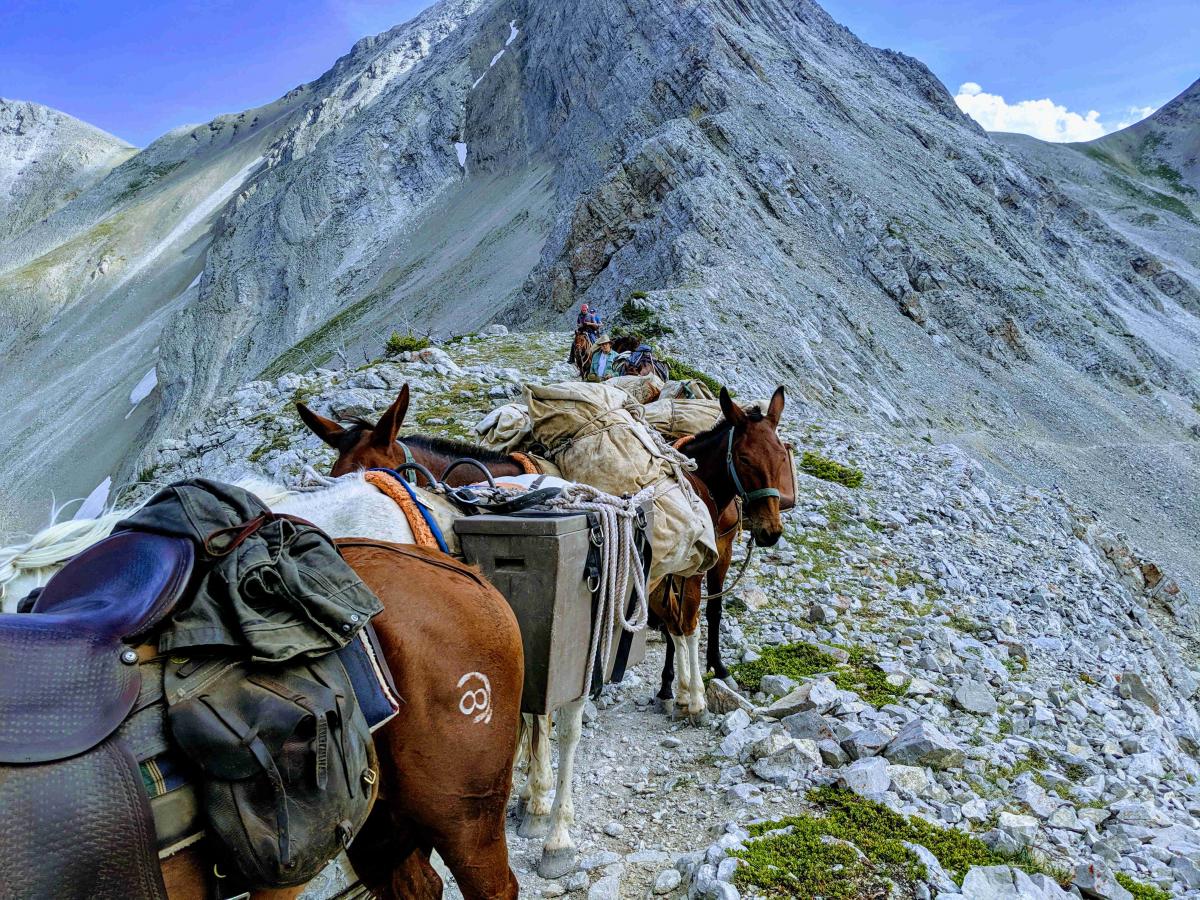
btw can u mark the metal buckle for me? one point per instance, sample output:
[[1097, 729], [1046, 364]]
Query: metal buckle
[[369, 777]]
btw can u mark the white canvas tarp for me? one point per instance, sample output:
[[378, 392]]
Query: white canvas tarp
[[680, 418], [595, 437]]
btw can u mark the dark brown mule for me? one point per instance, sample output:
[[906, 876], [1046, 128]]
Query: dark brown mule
[[627, 343], [445, 774], [759, 462], [581, 353], [366, 446]]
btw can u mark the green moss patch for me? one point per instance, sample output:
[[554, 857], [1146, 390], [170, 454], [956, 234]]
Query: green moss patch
[[815, 860], [826, 469], [796, 661], [861, 676], [1141, 891], [801, 660]]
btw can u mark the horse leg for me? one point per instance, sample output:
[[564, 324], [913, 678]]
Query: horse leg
[[389, 862], [696, 704], [712, 612], [668, 673], [558, 852], [475, 852], [535, 820], [683, 671]]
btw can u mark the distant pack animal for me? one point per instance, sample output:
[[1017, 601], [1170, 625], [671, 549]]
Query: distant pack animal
[[581, 352], [641, 361], [445, 771]]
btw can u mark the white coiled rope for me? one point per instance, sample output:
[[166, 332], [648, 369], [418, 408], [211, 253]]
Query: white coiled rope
[[620, 562]]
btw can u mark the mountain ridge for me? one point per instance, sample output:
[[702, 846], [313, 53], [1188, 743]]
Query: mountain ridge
[[795, 205]]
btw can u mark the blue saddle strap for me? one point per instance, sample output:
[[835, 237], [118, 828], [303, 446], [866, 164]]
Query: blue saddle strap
[[425, 514]]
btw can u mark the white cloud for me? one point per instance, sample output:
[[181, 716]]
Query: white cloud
[[1135, 114], [1043, 119]]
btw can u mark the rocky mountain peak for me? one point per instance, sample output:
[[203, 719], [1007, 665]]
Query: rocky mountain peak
[[47, 159]]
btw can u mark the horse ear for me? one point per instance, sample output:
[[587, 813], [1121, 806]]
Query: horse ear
[[775, 410], [385, 432], [326, 429], [733, 412]]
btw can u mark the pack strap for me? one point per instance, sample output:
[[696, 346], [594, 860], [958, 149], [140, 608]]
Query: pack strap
[[426, 532]]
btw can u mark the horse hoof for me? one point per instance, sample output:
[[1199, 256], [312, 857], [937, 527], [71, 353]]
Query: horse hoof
[[731, 683], [556, 863], [533, 826], [664, 706], [701, 719]]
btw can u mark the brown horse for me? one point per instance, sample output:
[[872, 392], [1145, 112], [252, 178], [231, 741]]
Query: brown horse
[[363, 445], [739, 459], [366, 446], [581, 352]]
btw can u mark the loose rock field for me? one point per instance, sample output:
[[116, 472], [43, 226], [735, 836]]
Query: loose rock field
[[973, 657]]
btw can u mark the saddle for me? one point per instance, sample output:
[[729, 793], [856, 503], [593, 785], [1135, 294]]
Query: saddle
[[70, 680]]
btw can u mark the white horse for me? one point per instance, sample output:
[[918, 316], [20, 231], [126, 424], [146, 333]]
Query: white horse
[[348, 508]]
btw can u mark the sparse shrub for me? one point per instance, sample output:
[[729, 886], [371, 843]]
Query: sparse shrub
[[642, 319], [818, 466], [796, 661], [806, 864], [1141, 891], [680, 371], [405, 343]]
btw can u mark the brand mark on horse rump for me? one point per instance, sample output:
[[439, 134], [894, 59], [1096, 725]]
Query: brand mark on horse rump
[[477, 700]]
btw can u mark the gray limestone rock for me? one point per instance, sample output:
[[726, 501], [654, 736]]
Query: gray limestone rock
[[809, 726], [920, 743], [1095, 879], [976, 698]]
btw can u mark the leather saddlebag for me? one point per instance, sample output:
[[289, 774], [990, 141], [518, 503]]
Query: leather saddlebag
[[287, 767]]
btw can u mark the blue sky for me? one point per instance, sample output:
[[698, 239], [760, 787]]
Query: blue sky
[[138, 68]]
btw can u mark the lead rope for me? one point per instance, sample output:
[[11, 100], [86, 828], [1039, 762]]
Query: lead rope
[[619, 562]]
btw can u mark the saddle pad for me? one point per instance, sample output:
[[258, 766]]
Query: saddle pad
[[371, 679], [63, 690], [79, 829]]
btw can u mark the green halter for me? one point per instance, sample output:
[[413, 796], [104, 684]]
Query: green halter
[[745, 496]]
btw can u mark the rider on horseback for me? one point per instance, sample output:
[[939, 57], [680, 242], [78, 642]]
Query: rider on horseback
[[588, 323]]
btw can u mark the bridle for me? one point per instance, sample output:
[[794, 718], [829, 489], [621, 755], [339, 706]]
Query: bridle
[[743, 498], [744, 495]]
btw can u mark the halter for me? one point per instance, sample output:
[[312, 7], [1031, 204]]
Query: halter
[[744, 495]]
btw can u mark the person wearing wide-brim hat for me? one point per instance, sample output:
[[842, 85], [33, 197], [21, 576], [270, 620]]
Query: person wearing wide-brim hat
[[602, 359]]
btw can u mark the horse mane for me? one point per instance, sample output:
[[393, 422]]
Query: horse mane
[[457, 449], [753, 414], [349, 439]]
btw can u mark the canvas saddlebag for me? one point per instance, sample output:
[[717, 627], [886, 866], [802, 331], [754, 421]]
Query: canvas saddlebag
[[286, 767]]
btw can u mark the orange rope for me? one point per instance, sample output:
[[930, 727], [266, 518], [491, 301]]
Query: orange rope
[[530, 467], [678, 445], [422, 534]]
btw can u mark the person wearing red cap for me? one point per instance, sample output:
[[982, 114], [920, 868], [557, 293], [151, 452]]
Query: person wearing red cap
[[589, 323]]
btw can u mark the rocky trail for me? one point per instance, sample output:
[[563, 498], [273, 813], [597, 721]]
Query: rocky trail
[[1006, 685]]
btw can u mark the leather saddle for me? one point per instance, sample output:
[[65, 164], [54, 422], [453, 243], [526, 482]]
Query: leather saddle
[[70, 676]]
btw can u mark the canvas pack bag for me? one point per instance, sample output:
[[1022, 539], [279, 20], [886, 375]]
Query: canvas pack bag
[[595, 435], [682, 418], [285, 763]]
